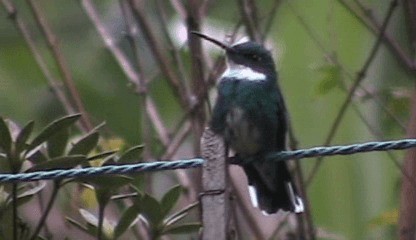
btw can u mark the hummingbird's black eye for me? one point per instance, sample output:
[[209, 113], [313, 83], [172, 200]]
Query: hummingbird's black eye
[[254, 57]]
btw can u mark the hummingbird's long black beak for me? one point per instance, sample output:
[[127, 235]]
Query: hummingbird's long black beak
[[214, 41]]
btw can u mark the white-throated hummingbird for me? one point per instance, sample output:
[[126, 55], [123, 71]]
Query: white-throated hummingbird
[[251, 115]]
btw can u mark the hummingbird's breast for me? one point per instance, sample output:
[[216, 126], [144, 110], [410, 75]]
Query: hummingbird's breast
[[242, 135]]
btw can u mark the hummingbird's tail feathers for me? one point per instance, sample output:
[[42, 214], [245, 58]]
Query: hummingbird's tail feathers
[[296, 201], [253, 196], [271, 188]]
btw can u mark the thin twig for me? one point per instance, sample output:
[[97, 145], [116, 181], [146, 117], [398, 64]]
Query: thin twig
[[333, 60], [246, 211], [270, 19], [360, 77], [248, 11], [132, 31], [53, 43], [157, 121], [371, 23], [126, 66], [45, 214], [199, 87], [27, 36], [173, 50], [183, 177], [160, 57]]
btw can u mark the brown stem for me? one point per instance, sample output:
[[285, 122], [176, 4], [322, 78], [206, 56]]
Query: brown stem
[[360, 77], [248, 11], [407, 218], [158, 52], [53, 81], [374, 26], [53, 44], [127, 68], [199, 87]]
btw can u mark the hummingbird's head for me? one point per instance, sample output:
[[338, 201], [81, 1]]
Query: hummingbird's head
[[246, 54]]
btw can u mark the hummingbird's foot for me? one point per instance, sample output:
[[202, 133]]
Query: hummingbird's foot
[[237, 160]]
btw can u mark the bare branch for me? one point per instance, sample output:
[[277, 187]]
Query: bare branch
[[127, 68], [360, 77], [53, 81], [157, 50], [407, 217], [374, 26], [248, 11], [53, 44]]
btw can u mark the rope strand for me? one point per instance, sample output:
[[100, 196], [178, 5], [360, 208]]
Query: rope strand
[[197, 162]]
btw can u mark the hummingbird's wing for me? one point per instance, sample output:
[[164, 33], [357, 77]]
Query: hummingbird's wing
[[270, 184]]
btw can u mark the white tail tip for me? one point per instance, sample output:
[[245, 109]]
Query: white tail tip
[[253, 196], [296, 200]]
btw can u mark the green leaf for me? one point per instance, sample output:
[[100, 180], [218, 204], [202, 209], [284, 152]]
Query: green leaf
[[86, 144], [89, 217], [27, 195], [128, 219], [78, 225], [56, 143], [132, 155], [101, 155], [38, 157], [24, 136], [331, 78], [177, 216], [151, 209], [64, 162], [92, 225], [32, 191], [109, 182], [52, 129], [170, 199], [5, 137], [183, 228]]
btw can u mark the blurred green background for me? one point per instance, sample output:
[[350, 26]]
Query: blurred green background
[[355, 196]]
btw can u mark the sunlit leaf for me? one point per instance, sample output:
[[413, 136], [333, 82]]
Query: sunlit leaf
[[92, 225], [177, 216], [87, 230], [183, 228], [386, 218], [89, 217], [32, 191]]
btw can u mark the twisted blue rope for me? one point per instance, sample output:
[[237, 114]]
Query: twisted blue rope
[[197, 162]]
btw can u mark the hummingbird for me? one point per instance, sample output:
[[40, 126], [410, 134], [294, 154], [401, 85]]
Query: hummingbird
[[250, 114]]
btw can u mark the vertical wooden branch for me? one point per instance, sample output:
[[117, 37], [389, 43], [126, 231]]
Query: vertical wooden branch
[[215, 198], [407, 218]]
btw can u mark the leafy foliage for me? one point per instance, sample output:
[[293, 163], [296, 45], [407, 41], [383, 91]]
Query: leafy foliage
[[54, 148]]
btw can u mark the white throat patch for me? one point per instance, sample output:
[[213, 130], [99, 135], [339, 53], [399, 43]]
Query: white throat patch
[[243, 73]]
